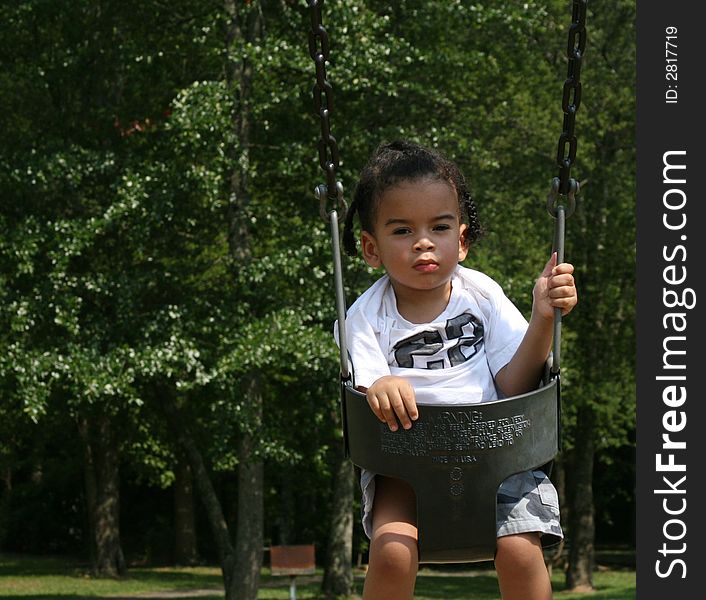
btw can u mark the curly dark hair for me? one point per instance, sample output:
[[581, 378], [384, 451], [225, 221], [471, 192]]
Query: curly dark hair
[[398, 161]]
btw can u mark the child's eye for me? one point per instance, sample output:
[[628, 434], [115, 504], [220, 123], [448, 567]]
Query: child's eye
[[401, 231], [442, 227]]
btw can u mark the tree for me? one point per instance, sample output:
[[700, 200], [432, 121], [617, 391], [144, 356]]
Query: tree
[[76, 334]]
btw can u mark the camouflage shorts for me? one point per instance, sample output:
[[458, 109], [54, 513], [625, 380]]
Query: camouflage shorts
[[527, 502]]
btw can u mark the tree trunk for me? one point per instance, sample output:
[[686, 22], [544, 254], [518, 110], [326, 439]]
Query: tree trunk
[[250, 532], [207, 493], [338, 570], [102, 479], [185, 547], [243, 28], [555, 557], [286, 512], [90, 488], [5, 501], [579, 575]]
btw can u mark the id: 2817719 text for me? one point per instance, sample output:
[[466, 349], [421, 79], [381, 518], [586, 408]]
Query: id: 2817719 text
[[670, 67]]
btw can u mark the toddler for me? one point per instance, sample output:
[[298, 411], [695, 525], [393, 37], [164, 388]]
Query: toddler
[[432, 331]]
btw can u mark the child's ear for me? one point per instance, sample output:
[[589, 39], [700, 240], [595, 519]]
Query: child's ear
[[369, 248], [463, 244]]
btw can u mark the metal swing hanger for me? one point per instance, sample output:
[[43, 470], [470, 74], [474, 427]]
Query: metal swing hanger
[[332, 205], [561, 201]]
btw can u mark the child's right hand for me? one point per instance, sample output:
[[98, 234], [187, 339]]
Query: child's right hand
[[392, 398]]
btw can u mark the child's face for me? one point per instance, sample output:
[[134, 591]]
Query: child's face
[[418, 236]]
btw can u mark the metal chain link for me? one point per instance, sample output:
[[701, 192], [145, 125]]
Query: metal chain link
[[571, 99], [332, 191]]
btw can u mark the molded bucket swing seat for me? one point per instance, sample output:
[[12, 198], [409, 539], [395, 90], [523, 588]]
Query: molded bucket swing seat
[[455, 458]]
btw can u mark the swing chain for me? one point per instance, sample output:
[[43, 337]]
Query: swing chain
[[571, 97], [329, 158]]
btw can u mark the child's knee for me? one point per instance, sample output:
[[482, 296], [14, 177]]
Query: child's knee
[[394, 549], [520, 553]]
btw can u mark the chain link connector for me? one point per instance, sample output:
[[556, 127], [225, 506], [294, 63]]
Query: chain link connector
[[553, 203], [321, 194]]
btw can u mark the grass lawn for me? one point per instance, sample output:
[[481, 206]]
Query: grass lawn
[[43, 578], [59, 577]]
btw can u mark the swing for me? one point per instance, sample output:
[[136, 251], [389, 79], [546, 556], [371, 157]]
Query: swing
[[454, 457]]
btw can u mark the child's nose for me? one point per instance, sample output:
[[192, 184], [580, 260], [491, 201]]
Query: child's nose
[[424, 243]]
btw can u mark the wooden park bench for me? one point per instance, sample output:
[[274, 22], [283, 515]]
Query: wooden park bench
[[292, 561]]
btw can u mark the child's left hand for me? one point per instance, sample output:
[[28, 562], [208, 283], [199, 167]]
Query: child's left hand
[[554, 289]]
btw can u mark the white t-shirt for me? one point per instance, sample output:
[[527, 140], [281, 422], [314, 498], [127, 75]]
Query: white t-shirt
[[452, 360]]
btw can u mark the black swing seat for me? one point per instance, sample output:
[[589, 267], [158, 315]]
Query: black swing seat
[[455, 458]]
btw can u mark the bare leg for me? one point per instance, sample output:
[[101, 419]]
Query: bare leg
[[393, 548], [522, 574]]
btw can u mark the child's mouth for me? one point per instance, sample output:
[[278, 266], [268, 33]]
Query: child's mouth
[[426, 266]]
